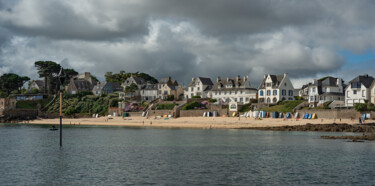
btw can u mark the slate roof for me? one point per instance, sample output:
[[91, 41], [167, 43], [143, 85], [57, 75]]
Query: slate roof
[[115, 86], [236, 85], [276, 79], [82, 85], [149, 87], [366, 80], [205, 81], [139, 80]]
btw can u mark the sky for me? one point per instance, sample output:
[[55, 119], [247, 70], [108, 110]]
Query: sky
[[183, 39]]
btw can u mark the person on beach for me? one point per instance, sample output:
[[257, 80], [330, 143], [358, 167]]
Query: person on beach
[[360, 120]]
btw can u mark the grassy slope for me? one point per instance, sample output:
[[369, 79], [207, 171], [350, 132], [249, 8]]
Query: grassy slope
[[285, 106]]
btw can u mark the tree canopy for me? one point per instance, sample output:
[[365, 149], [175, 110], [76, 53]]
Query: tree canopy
[[48, 70], [122, 76], [131, 88], [12, 82]]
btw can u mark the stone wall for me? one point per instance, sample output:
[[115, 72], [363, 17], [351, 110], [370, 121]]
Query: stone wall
[[332, 114], [20, 114]]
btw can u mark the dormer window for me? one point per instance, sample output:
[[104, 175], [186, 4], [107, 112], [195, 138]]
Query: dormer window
[[268, 84]]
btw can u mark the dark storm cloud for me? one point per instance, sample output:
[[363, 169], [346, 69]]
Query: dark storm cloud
[[184, 39]]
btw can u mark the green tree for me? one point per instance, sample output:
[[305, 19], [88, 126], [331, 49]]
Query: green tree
[[48, 70], [12, 82], [360, 107], [69, 73], [131, 88]]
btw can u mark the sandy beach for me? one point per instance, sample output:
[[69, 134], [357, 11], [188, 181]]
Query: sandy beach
[[192, 122]]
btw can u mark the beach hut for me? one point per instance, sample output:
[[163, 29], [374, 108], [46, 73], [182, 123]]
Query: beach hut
[[313, 116], [296, 115], [214, 114], [288, 115], [255, 114], [310, 116], [281, 115], [306, 116], [275, 115], [234, 114], [204, 114]]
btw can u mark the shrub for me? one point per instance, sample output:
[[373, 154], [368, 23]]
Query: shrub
[[70, 111], [170, 97], [213, 100], [196, 97], [191, 106]]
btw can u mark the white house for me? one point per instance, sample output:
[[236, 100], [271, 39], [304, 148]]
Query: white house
[[325, 89], [358, 90], [233, 90], [200, 86], [372, 88], [275, 88], [149, 92]]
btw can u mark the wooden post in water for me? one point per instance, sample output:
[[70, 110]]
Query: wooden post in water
[[60, 118]]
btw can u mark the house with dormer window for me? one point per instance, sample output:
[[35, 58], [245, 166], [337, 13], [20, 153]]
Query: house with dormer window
[[236, 90], [200, 86], [358, 90], [275, 88], [323, 90]]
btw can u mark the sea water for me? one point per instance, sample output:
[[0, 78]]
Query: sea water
[[30, 155]]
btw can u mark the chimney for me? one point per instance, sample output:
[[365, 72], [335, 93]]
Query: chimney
[[218, 79], [192, 79], [87, 75], [169, 78], [339, 81], [227, 79], [238, 78], [265, 75], [285, 75]]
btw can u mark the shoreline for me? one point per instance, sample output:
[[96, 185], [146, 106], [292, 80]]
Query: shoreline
[[192, 122]]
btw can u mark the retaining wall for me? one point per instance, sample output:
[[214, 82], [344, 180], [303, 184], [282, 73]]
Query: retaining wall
[[332, 114]]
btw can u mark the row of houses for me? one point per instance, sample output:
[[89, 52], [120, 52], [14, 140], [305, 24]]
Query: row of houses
[[273, 88]]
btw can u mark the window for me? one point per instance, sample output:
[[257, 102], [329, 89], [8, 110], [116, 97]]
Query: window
[[313, 89], [268, 92], [355, 85], [363, 93], [220, 93], [347, 94], [268, 84], [354, 92], [268, 100], [192, 89], [241, 99], [311, 98], [215, 93], [241, 91], [290, 92], [230, 92], [285, 84], [235, 99], [225, 93], [274, 92], [261, 93], [247, 99], [261, 100], [274, 100], [198, 88], [283, 92]]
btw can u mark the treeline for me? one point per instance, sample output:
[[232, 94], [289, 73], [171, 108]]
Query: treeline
[[122, 76], [11, 83]]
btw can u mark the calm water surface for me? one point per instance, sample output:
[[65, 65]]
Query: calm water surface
[[30, 155]]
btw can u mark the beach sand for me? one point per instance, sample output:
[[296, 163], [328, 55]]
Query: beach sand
[[192, 122]]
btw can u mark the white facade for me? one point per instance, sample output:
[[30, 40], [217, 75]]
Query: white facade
[[199, 87], [275, 88], [149, 92], [325, 89], [358, 90], [233, 90]]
